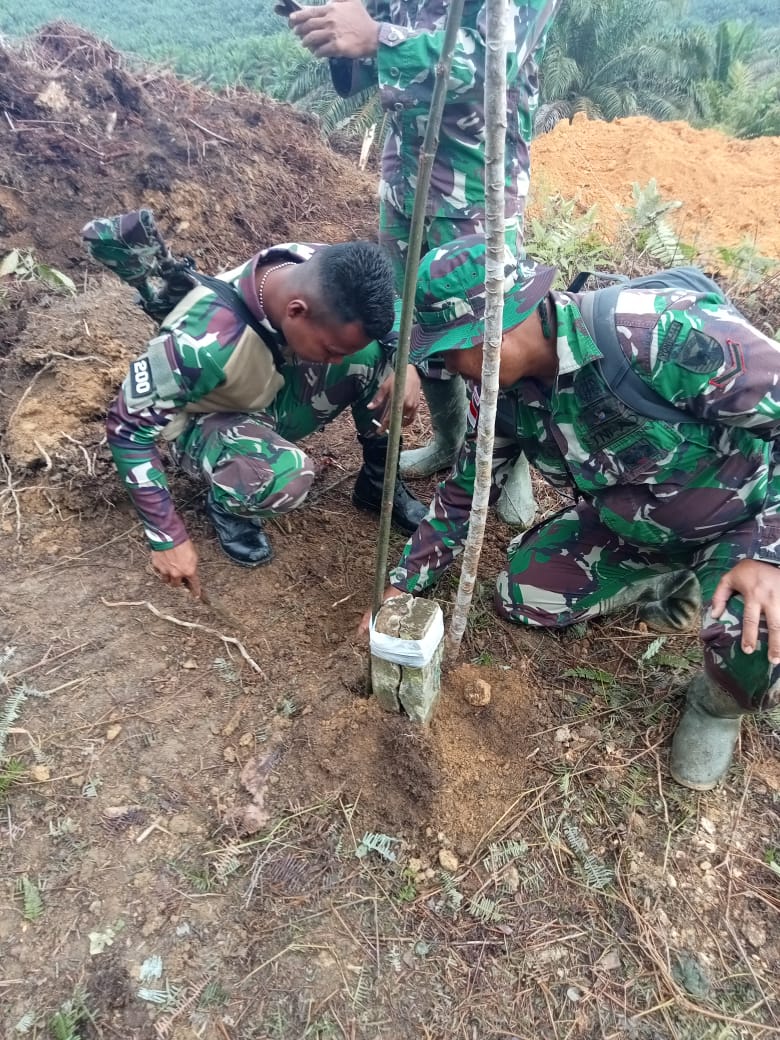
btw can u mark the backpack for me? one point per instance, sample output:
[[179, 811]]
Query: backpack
[[598, 312], [132, 247]]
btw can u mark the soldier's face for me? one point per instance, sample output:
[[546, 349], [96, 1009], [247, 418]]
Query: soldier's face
[[320, 342]]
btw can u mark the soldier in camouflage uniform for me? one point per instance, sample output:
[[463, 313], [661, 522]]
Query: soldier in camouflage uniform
[[209, 385], [399, 47], [666, 514]]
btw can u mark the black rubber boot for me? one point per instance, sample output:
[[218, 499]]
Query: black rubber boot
[[243, 540], [408, 511]]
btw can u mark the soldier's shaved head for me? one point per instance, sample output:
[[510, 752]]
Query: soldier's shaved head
[[352, 283]]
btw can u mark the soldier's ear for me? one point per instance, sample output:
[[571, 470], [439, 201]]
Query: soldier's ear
[[298, 308]]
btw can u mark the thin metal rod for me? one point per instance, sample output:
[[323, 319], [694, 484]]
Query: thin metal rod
[[425, 166]]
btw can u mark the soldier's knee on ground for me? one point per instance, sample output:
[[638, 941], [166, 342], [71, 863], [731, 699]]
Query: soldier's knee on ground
[[526, 609], [256, 486]]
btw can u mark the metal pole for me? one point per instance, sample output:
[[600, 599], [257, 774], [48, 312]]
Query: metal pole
[[427, 155], [495, 176]]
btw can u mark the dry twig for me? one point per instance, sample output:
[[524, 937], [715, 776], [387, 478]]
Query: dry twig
[[228, 640]]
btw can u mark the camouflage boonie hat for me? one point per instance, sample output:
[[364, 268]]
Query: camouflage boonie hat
[[449, 302]]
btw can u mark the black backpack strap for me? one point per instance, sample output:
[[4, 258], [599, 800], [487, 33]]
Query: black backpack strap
[[579, 280], [598, 313], [231, 299]]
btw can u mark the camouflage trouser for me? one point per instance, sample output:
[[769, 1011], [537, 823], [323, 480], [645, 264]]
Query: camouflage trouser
[[250, 460], [571, 568], [394, 239]]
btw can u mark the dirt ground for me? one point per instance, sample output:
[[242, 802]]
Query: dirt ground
[[207, 828]]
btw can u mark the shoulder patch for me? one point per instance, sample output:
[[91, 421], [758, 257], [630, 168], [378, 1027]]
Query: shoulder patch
[[698, 353]]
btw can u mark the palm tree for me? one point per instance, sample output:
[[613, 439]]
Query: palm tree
[[604, 58]]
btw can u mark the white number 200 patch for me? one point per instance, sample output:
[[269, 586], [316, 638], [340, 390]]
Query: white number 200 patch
[[140, 377]]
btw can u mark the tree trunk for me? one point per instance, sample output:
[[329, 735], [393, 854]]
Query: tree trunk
[[495, 144], [427, 155]]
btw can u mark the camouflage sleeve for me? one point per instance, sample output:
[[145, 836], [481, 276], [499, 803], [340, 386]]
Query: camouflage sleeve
[[441, 536], [157, 386], [712, 363], [406, 57]]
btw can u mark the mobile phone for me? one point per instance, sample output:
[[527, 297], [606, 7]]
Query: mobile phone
[[286, 7]]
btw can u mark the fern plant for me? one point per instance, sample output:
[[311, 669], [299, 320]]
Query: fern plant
[[485, 910], [503, 852], [31, 898], [65, 1023], [595, 873], [381, 844]]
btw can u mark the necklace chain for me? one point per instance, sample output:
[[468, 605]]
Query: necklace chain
[[261, 287]]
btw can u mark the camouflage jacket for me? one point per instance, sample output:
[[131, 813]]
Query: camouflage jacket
[[658, 485], [205, 359], [411, 35]]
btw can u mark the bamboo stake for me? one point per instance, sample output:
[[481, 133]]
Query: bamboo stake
[[495, 145], [427, 155]]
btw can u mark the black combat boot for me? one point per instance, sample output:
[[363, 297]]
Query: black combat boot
[[243, 540], [408, 511]]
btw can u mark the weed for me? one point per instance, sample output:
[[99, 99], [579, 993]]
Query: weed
[[382, 844], [567, 240], [21, 264], [213, 995], [66, 1022], [407, 890], [31, 898], [595, 873], [11, 772], [651, 232], [747, 265], [199, 877]]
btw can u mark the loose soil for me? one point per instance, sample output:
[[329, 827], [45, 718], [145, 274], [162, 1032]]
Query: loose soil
[[303, 864]]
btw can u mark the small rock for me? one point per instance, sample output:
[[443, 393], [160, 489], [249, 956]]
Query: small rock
[[707, 825], [229, 754], [511, 878], [573, 994], [189, 664], [610, 961], [563, 735], [40, 773], [478, 693], [589, 732], [754, 933], [448, 860], [415, 864], [246, 739], [113, 731], [671, 881], [705, 865]]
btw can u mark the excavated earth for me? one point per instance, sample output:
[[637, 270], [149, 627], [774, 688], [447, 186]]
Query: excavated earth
[[145, 736]]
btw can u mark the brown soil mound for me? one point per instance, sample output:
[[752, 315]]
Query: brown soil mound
[[84, 136], [730, 189]]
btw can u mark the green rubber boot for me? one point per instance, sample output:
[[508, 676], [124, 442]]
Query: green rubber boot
[[672, 603], [447, 404], [706, 735], [517, 505]]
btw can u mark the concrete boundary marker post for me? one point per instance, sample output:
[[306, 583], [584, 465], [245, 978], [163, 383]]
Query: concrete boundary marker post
[[406, 653]]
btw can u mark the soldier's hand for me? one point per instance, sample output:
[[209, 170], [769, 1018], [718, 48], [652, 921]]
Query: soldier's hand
[[179, 566], [758, 584], [339, 29], [365, 622], [383, 400]]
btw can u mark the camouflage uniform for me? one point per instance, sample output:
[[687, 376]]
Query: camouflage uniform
[[410, 41], [245, 452], [652, 497]]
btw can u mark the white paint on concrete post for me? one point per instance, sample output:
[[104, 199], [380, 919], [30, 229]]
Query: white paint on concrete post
[[404, 687]]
